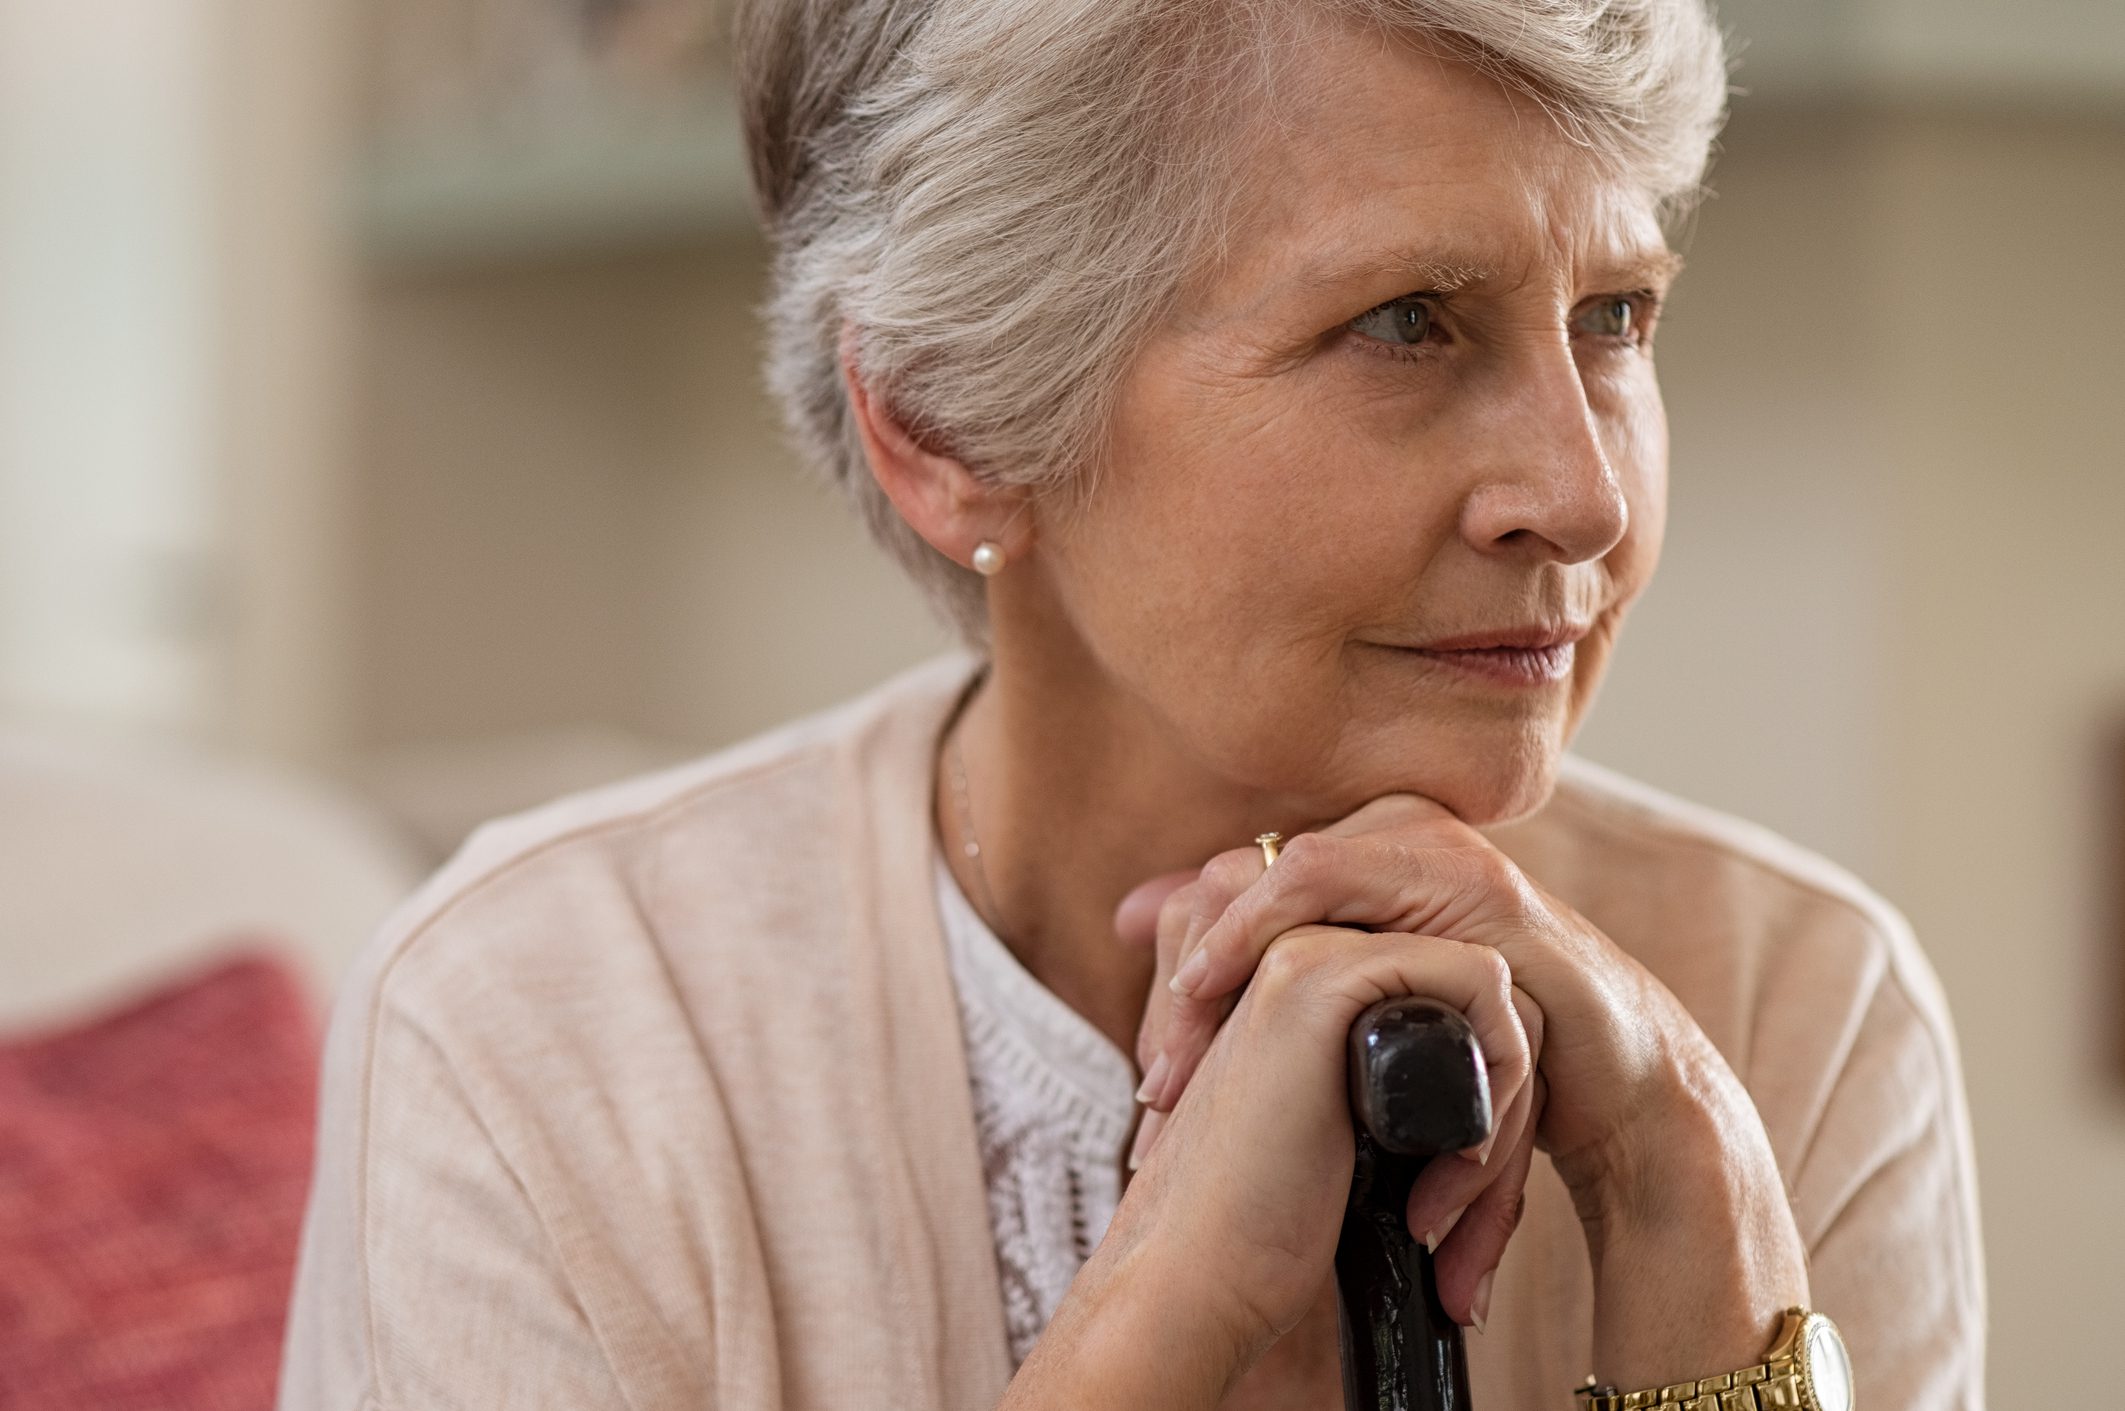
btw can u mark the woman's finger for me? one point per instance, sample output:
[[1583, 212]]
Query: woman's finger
[[1450, 1182], [1490, 1003], [1139, 920], [1223, 880], [1136, 916], [1443, 1196], [1151, 1032], [1325, 879], [1314, 966], [1472, 978], [1185, 1029], [1142, 918], [1187, 912], [1468, 1256]]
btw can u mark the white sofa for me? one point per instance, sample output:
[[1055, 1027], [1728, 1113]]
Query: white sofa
[[123, 865]]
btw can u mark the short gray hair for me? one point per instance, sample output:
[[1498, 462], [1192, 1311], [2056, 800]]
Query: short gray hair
[[1001, 198]]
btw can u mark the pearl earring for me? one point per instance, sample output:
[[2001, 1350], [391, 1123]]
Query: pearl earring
[[988, 558]]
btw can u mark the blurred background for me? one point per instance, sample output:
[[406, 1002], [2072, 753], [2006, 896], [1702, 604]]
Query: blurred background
[[381, 448]]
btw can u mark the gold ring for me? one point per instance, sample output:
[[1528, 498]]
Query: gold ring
[[1272, 843]]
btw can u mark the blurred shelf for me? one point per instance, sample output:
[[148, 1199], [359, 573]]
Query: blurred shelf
[[594, 178]]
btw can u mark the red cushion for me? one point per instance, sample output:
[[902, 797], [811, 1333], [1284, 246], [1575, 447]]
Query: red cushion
[[153, 1166]]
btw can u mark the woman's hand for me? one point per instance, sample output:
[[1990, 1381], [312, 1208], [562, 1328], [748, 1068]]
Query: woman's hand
[[1464, 1209], [1651, 1132], [1226, 1238]]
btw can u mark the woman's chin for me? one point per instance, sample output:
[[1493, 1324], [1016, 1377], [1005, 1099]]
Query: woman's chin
[[1483, 783], [1503, 798], [1501, 806]]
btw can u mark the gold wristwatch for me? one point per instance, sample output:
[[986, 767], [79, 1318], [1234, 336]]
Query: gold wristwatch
[[1806, 1369]]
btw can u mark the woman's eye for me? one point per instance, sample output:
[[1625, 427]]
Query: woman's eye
[[1407, 320], [1614, 317]]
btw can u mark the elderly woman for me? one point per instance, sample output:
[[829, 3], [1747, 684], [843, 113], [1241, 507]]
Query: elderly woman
[[1267, 393]]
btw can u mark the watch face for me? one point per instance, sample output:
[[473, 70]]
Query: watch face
[[1829, 1369]]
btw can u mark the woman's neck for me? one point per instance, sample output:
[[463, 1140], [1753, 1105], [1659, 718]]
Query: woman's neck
[[1074, 798]]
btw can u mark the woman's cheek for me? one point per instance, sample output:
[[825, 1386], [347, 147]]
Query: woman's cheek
[[1632, 424], [1403, 411]]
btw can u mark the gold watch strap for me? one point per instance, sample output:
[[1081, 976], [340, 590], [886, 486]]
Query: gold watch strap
[[1771, 1385], [1768, 1386]]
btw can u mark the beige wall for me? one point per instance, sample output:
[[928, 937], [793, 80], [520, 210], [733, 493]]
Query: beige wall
[[578, 508], [285, 280], [1890, 622], [2004, 382], [1893, 619]]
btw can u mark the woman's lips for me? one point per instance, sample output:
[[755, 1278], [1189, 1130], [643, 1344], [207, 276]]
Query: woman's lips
[[1506, 666]]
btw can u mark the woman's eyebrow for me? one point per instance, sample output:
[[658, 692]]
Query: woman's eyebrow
[[1428, 269], [1439, 272], [1640, 269]]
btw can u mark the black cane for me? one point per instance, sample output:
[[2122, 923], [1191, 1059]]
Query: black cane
[[1417, 1088]]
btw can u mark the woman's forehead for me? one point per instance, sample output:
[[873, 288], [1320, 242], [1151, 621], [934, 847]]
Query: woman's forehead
[[1389, 161], [1364, 251]]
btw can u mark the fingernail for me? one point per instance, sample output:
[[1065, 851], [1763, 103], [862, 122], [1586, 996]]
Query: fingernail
[[1191, 974], [1146, 1133], [1479, 1307], [1154, 1078], [1436, 1236]]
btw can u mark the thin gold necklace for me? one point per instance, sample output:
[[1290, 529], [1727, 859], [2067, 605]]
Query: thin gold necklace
[[970, 847]]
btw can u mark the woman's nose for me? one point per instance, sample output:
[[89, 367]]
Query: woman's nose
[[1546, 484]]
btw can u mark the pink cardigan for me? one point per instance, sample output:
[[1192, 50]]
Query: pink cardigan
[[655, 1098]]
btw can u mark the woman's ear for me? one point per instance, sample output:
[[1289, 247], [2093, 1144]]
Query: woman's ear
[[943, 501]]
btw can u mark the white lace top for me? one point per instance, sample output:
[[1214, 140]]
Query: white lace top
[[1053, 1104]]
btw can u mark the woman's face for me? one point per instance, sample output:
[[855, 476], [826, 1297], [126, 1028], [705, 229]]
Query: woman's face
[[1415, 403]]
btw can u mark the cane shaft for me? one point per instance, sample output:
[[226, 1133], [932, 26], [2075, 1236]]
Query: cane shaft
[[1418, 1088]]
